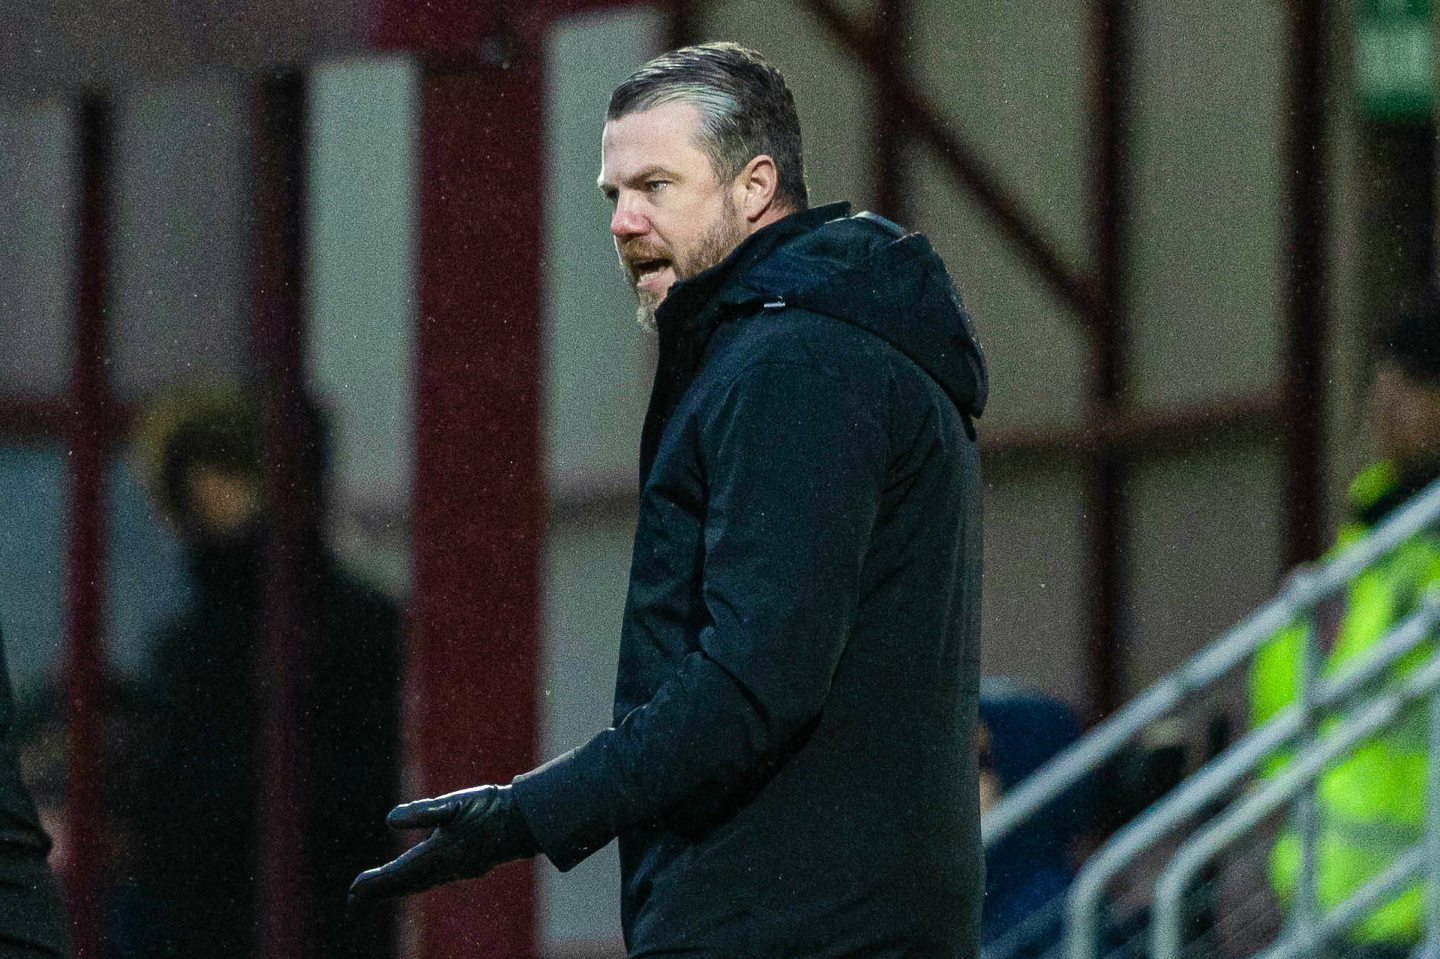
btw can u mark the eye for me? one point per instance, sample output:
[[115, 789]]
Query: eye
[[611, 196], [653, 186]]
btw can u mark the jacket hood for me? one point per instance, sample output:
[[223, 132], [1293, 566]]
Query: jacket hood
[[866, 271]]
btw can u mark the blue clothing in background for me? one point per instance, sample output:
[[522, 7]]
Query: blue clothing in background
[[1027, 872]]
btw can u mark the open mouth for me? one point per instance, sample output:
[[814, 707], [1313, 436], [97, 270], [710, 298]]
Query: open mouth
[[645, 270]]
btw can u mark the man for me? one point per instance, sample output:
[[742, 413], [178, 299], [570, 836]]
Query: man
[[33, 924], [207, 693], [792, 766], [1028, 872], [1371, 804]]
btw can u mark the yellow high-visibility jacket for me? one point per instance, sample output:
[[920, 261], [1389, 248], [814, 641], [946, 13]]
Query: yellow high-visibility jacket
[[1370, 804]]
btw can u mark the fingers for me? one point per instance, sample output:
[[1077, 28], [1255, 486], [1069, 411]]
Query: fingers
[[435, 860], [461, 845], [423, 813], [414, 870]]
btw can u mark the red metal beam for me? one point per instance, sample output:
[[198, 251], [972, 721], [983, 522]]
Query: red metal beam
[[1256, 418], [39, 420], [1307, 323], [479, 500], [27, 421], [85, 562], [435, 27], [911, 107], [478, 29], [24, 420], [279, 342]]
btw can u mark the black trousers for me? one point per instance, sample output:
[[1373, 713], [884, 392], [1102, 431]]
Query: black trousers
[[33, 922]]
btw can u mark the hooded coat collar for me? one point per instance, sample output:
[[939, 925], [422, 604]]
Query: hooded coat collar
[[695, 306], [862, 270], [696, 302]]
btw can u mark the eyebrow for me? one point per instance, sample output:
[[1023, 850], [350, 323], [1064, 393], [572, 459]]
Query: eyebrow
[[644, 173]]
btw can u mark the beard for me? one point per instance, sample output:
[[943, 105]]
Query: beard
[[713, 246]]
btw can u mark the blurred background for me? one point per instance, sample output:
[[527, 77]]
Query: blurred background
[[373, 226]]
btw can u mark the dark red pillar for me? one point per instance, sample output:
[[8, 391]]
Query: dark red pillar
[[479, 498], [478, 515], [85, 567], [1307, 310], [892, 192], [1106, 507], [290, 477], [684, 27]]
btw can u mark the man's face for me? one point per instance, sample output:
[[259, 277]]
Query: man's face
[[1407, 413], [674, 217], [223, 505]]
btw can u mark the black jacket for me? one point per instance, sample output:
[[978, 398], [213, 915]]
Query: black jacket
[[202, 857], [32, 916], [792, 771]]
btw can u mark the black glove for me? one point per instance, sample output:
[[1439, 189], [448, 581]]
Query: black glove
[[475, 831]]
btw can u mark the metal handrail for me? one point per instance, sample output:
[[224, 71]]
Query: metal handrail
[[1378, 891], [1305, 588], [1202, 848], [1224, 772], [1023, 934]]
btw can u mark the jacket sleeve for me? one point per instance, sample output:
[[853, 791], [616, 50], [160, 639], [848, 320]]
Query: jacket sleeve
[[794, 462]]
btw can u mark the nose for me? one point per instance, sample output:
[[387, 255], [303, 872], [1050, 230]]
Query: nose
[[628, 222]]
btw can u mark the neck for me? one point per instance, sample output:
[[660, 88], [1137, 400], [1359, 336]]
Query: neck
[[773, 214]]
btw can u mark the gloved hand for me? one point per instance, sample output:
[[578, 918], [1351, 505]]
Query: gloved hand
[[475, 830]]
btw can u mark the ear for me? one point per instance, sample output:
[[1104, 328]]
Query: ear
[[756, 186]]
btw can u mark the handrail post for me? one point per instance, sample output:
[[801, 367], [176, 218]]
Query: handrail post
[[1202, 669], [1306, 809], [1082, 914], [1221, 776], [1167, 933], [1431, 948]]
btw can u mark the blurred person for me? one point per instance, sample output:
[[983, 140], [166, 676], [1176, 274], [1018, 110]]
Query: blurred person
[[1371, 804], [1028, 872], [133, 924], [792, 768], [33, 923], [204, 460]]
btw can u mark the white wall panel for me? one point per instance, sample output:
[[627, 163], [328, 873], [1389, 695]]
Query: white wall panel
[[1011, 81], [1205, 549], [38, 207], [586, 569], [361, 207], [1034, 591], [598, 373], [1209, 230], [1037, 352], [145, 570], [179, 307]]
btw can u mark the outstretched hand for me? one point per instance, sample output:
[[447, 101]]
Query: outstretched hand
[[474, 830]]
